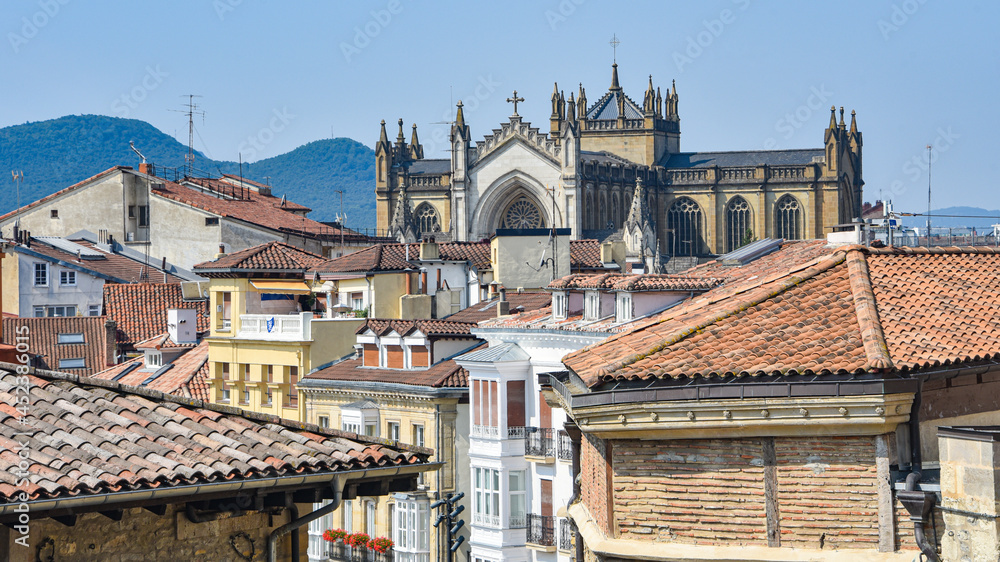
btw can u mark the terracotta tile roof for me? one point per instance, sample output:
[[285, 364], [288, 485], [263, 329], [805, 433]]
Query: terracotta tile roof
[[393, 257], [88, 437], [585, 254], [267, 256], [444, 374], [858, 310], [120, 268], [42, 335], [634, 282], [140, 309], [526, 301], [430, 328], [175, 380], [160, 341], [478, 253]]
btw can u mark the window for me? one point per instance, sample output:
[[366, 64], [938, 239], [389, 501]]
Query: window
[[225, 371], [225, 393], [684, 225], [787, 218], [486, 489], [41, 274], [269, 396], [739, 230], [270, 373], [486, 410], [60, 311], [358, 301], [38, 311], [245, 371], [131, 211], [351, 426], [94, 310], [518, 503], [522, 213], [348, 507], [411, 531], [144, 215], [592, 305], [292, 399], [54, 213], [211, 221], [323, 421], [560, 305], [70, 338], [392, 429], [427, 218], [246, 397], [225, 310], [154, 359], [75, 363], [371, 429], [370, 527], [67, 278], [418, 435]]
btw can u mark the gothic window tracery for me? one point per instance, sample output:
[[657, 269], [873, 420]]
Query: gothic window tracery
[[788, 218], [739, 226], [522, 213], [427, 218], [684, 225], [616, 209]]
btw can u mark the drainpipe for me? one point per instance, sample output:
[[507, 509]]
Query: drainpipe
[[919, 505], [291, 527], [575, 435]]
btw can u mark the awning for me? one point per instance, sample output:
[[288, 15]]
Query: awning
[[281, 286]]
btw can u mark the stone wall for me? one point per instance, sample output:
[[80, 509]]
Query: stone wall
[[141, 535]]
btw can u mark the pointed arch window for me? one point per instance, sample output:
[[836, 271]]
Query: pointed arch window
[[684, 223], [589, 211], [616, 209], [522, 213], [604, 210], [739, 223], [788, 218], [428, 219]]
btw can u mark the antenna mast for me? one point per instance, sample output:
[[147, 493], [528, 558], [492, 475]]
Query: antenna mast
[[192, 110]]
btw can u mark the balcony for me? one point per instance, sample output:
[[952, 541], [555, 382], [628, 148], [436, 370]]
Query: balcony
[[519, 521], [564, 446], [486, 520], [344, 553], [541, 531], [538, 443], [567, 533], [486, 431], [276, 327]]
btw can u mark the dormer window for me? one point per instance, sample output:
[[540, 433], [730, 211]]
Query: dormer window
[[360, 417], [560, 305], [154, 359], [623, 307], [592, 305]]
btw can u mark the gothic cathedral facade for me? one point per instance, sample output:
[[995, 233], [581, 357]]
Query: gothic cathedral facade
[[614, 169]]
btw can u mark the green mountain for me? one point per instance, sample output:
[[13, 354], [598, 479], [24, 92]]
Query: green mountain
[[57, 153]]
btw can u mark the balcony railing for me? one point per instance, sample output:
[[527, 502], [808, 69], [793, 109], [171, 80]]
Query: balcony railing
[[344, 553], [276, 326], [486, 431], [541, 530], [564, 446], [517, 521], [515, 432], [538, 442], [486, 520], [567, 531]]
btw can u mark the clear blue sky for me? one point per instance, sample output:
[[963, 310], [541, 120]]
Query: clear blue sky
[[749, 74]]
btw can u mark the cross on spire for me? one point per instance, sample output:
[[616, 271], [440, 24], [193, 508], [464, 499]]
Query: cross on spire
[[514, 100], [614, 47]]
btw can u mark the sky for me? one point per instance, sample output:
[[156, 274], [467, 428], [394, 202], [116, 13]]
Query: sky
[[750, 75]]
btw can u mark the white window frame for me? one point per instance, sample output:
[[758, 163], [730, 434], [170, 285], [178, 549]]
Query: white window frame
[[371, 523], [154, 359], [517, 494], [392, 430], [68, 338], [73, 363], [411, 532], [94, 310], [67, 278], [323, 421], [41, 274], [38, 311], [486, 497]]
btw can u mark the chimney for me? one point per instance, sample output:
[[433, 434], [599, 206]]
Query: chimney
[[110, 342], [503, 305], [222, 251], [147, 169], [429, 249], [607, 253], [423, 282], [181, 325]]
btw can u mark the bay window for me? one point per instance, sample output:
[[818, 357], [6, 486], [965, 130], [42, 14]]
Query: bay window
[[411, 531]]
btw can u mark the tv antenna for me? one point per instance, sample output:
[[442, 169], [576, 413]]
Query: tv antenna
[[192, 110]]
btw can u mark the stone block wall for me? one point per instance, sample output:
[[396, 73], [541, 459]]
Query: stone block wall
[[142, 536]]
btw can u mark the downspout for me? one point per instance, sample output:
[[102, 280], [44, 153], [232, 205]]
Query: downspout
[[575, 436], [291, 527], [917, 503]]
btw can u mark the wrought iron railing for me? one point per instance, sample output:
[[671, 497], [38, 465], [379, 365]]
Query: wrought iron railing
[[564, 446], [345, 553], [567, 530], [541, 530], [538, 442]]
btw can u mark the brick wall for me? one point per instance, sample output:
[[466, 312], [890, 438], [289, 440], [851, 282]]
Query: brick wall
[[594, 470], [690, 491], [142, 535], [827, 495]]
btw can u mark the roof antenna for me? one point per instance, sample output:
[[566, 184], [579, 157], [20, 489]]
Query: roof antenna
[[131, 145]]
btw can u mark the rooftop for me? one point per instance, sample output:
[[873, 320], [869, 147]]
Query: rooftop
[[63, 343], [743, 158], [430, 328], [270, 256], [443, 374], [186, 375], [140, 309]]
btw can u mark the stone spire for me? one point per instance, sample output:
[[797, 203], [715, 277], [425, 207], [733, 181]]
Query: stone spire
[[571, 109], [383, 138], [854, 123], [415, 149], [614, 78], [649, 99], [638, 213], [582, 101], [403, 228]]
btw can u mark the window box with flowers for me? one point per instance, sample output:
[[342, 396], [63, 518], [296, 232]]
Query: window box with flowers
[[358, 547]]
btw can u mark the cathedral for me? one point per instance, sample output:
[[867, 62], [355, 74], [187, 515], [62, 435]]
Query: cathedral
[[613, 169]]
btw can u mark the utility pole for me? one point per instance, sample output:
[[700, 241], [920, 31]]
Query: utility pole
[[448, 516]]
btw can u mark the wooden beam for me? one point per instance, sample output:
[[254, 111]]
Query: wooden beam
[[160, 509]]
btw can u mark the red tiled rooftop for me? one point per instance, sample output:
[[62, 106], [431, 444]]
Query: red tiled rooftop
[[526, 301], [177, 380], [859, 310], [74, 447], [444, 374], [140, 309], [430, 328], [274, 256], [43, 341], [634, 282], [585, 254], [120, 268]]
